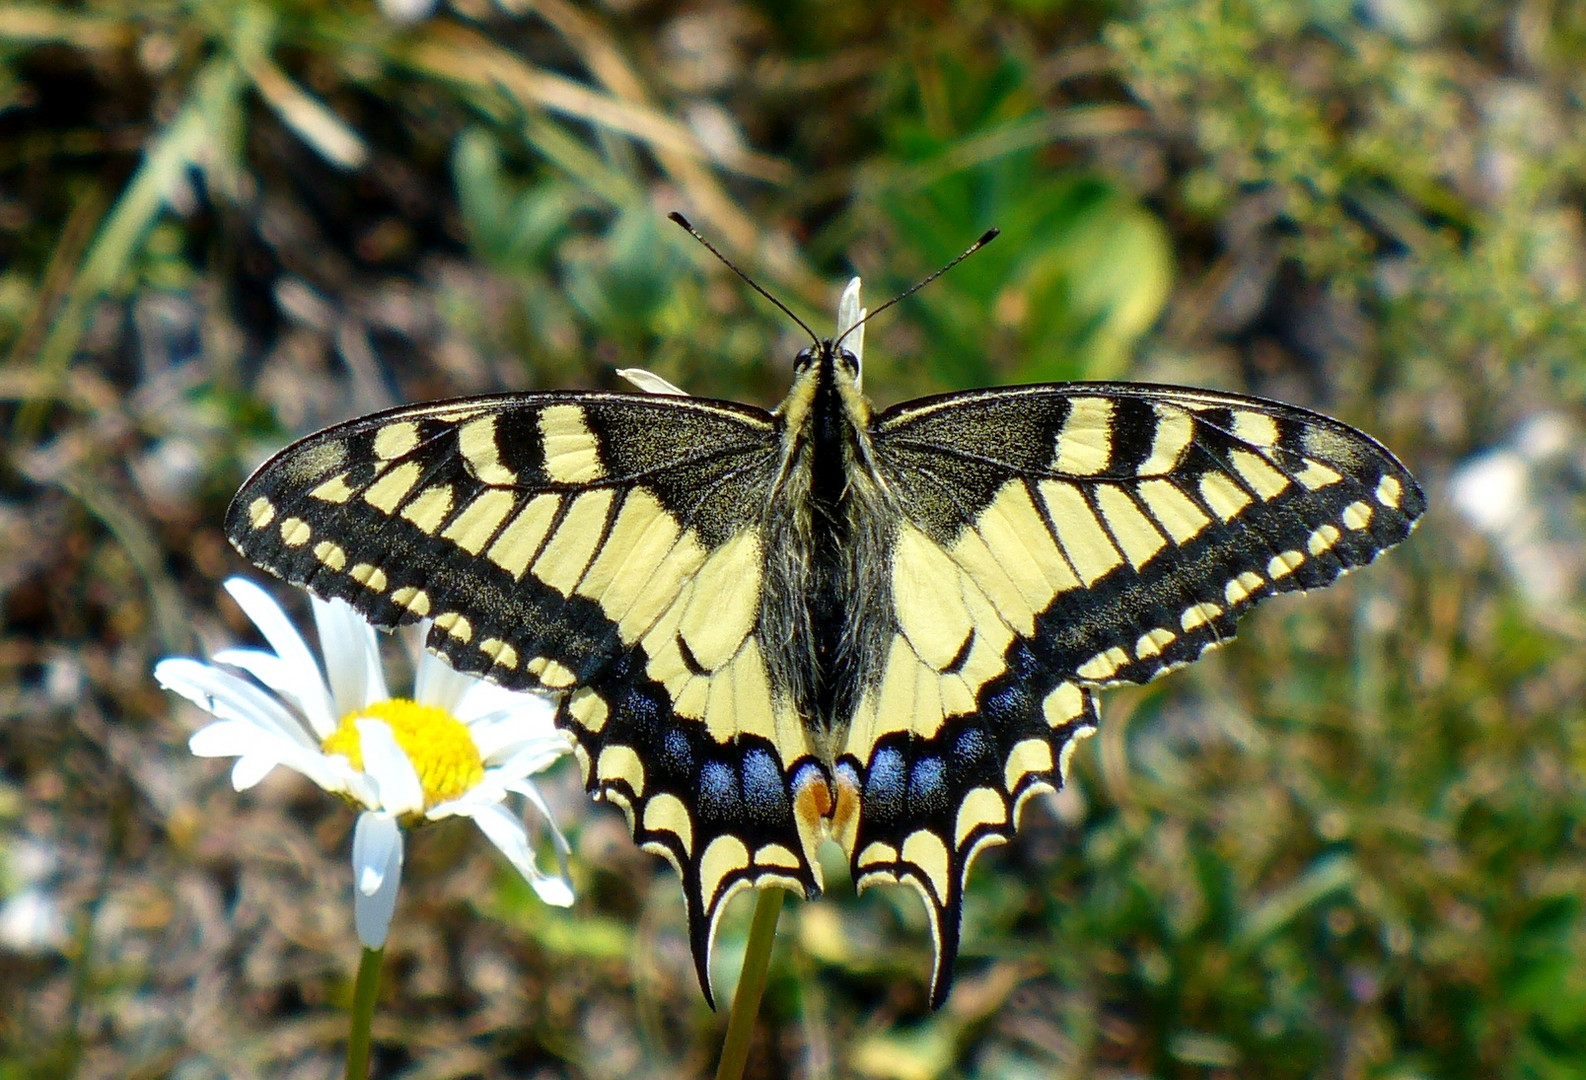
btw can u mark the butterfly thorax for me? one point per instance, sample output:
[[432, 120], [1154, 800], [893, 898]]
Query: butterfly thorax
[[825, 603]]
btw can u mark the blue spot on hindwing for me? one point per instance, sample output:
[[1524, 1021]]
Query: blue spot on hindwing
[[763, 792], [719, 799], [1021, 661], [1005, 707], [972, 747], [884, 786], [679, 755], [928, 787]]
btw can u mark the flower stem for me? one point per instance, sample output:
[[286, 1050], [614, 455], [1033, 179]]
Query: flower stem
[[751, 984], [363, 998]]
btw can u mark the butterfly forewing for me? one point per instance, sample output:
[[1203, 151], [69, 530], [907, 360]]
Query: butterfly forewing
[[1123, 528]]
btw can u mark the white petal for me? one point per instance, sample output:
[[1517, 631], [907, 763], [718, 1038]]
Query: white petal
[[562, 848], [250, 769], [394, 775], [242, 739], [530, 758], [233, 738], [849, 316], [340, 777], [229, 697], [317, 767], [347, 642], [485, 700], [497, 736], [435, 682], [360, 786], [527, 789], [502, 733], [650, 382], [554, 890], [547, 749], [376, 850], [376, 872], [288, 645], [374, 682], [559, 844], [507, 833], [282, 678]]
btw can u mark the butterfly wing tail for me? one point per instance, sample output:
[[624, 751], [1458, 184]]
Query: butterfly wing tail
[[931, 805], [720, 812]]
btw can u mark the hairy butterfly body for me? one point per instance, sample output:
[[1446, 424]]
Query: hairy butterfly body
[[770, 628]]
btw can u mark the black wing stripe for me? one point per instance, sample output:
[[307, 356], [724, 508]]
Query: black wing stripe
[[1158, 608]]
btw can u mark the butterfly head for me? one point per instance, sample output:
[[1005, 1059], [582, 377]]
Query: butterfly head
[[827, 362], [829, 375], [826, 390]]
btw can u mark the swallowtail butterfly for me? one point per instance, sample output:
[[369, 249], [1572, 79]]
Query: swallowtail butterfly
[[766, 628]]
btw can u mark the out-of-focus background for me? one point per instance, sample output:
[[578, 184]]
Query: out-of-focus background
[[1349, 845]]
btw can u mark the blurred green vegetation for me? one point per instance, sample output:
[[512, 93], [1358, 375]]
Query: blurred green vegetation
[[1350, 844]]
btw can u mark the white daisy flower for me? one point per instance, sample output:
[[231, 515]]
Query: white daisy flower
[[458, 747]]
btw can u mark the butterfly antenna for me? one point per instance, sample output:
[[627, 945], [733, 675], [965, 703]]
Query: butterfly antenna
[[679, 219], [985, 238]]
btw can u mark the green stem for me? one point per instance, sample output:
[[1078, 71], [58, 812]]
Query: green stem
[[363, 997], [751, 984]]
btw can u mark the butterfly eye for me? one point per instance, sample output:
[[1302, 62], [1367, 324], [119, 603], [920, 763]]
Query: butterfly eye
[[849, 362], [802, 362]]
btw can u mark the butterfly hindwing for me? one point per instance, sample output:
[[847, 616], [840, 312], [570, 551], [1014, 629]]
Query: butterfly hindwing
[[931, 802], [720, 810], [964, 719]]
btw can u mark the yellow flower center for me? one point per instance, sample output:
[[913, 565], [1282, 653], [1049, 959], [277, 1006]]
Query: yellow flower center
[[436, 742]]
